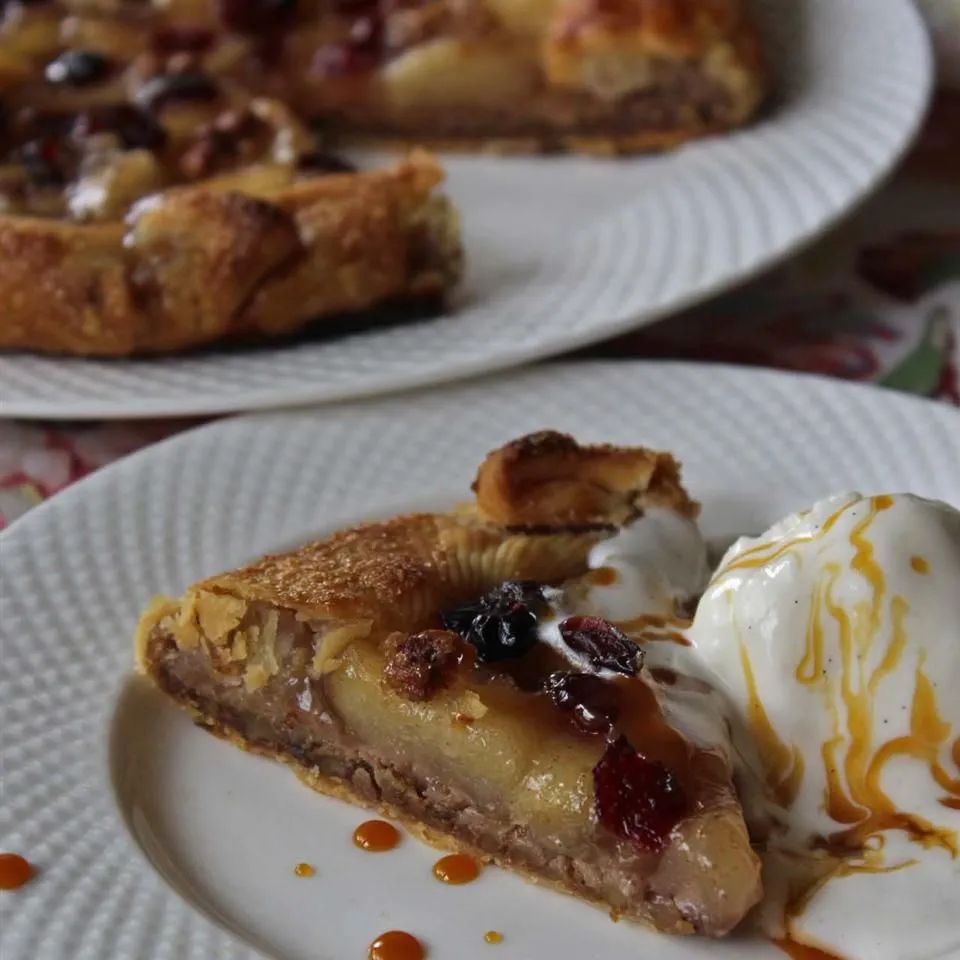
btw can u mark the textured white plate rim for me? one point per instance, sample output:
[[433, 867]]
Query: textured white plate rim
[[504, 355], [497, 381], [57, 511]]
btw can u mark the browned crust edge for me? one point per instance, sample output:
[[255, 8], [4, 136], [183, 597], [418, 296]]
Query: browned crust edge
[[203, 265]]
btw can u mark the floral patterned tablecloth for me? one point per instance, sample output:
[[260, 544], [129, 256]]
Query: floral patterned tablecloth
[[876, 300]]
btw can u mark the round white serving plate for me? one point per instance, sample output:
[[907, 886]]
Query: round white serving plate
[[156, 841], [565, 251]]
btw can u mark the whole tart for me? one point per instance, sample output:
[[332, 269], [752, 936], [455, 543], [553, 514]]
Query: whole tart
[[400, 665], [163, 164]]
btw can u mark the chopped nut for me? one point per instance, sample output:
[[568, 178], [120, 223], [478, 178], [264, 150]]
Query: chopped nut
[[421, 664], [335, 641]]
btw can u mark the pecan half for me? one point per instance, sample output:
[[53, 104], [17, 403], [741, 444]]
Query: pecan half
[[419, 665]]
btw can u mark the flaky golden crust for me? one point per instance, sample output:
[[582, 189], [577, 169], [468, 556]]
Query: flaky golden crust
[[542, 502], [399, 573], [202, 264], [548, 478]]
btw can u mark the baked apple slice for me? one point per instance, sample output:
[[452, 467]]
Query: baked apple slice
[[403, 665]]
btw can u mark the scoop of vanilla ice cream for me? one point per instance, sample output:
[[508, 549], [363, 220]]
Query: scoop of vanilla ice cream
[[659, 560], [835, 638]]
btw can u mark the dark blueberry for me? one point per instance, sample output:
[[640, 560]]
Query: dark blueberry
[[320, 161], [251, 16], [136, 129], [602, 644], [593, 703], [503, 623], [77, 68], [637, 799], [182, 38], [157, 92], [44, 161]]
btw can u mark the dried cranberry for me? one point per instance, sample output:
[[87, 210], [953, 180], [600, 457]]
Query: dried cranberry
[[602, 644], [502, 624], [182, 38], [77, 68], [157, 92], [593, 702], [136, 129], [320, 161], [361, 51], [637, 799], [250, 16]]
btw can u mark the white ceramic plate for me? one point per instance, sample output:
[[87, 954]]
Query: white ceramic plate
[[97, 771], [566, 251]]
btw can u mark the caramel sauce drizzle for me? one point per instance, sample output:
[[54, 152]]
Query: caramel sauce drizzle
[[601, 577], [396, 945], [655, 627], [643, 724], [803, 951], [853, 768], [920, 564], [304, 870], [853, 765], [456, 868], [870, 861], [493, 936], [860, 801], [763, 553], [783, 764], [376, 836], [15, 871]]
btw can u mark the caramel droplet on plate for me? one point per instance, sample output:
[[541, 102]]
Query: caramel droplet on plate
[[376, 836], [396, 945], [456, 868], [919, 564], [14, 871], [304, 870], [493, 936]]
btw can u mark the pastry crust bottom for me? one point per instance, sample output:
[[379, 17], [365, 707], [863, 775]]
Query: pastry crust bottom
[[341, 790]]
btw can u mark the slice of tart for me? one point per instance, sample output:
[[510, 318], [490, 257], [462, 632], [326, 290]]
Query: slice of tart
[[403, 666]]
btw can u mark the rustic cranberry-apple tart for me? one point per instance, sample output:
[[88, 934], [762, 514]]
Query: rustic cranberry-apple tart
[[435, 667], [220, 112]]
